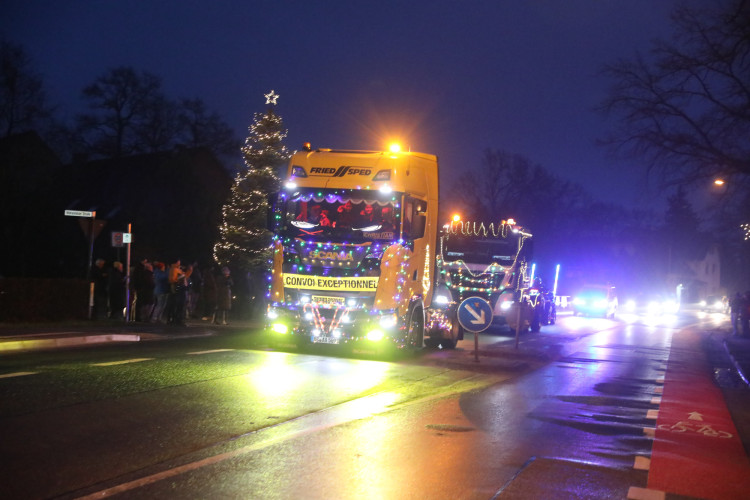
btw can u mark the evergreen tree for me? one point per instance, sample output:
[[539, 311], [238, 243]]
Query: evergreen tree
[[244, 240]]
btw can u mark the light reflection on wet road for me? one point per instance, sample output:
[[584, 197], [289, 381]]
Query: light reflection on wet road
[[369, 429]]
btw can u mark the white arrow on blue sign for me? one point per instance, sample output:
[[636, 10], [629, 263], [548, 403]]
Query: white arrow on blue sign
[[475, 314]]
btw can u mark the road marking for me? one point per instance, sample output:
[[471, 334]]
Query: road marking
[[123, 362], [658, 390], [656, 401], [642, 463], [652, 414], [210, 352], [660, 380], [704, 429], [636, 493], [17, 374]]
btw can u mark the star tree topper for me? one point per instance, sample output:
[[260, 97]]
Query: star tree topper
[[271, 97]]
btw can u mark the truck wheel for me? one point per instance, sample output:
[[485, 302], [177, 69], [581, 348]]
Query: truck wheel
[[450, 340], [535, 323], [415, 332]]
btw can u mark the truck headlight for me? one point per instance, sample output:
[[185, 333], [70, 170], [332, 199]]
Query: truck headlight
[[375, 335], [388, 320], [441, 300], [280, 328]]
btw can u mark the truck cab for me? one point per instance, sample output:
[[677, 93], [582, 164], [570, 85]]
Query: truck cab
[[354, 249]]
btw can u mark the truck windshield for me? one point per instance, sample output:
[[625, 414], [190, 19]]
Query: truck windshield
[[348, 215], [502, 251]]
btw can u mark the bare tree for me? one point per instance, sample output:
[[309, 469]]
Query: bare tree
[[22, 98], [119, 101], [686, 109], [198, 127], [158, 126]]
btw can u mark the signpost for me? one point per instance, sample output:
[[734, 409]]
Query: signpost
[[126, 237], [475, 315], [92, 216]]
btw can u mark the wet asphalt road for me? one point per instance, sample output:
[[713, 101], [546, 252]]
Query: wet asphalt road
[[207, 417]]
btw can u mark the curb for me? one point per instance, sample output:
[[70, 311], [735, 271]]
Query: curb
[[736, 364]]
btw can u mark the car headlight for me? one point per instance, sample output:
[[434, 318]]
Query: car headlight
[[504, 306]]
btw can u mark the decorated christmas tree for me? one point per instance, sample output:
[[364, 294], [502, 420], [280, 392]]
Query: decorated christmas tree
[[243, 238]]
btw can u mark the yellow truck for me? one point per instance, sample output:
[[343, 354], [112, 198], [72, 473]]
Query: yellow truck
[[354, 250]]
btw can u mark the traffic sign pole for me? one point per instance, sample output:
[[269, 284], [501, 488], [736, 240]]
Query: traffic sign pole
[[127, 278]]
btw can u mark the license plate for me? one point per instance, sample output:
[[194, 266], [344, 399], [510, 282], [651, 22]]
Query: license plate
[[325, 300], [325, 340]]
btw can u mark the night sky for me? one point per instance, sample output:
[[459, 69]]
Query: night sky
[[451, 78]]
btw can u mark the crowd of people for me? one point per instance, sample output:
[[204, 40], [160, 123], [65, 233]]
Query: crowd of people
[[739, 313], [164, 293]]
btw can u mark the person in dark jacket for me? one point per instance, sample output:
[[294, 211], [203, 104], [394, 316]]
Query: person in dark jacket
[[224, 285], [116, 289], [100, 279], [143, 286]]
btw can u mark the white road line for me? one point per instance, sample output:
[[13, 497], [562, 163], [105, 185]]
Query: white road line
[[652, 414], [123, 362], [209, 352], [642, 463], [636, 493], [17, 374]]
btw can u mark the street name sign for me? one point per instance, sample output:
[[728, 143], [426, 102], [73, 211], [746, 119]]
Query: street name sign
[[79, 213]]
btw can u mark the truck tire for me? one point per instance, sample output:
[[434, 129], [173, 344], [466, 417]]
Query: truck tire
[[535, 322], [451, 339], [415, 328]]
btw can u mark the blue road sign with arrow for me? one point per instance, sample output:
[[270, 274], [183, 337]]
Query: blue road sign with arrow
[[475, 314]]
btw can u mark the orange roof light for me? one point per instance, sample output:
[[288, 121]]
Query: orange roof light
[[719, 182], [511, 222], [456, 218], [394, 147]]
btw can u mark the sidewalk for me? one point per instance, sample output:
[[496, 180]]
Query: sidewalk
[[30, 337]]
